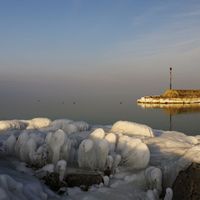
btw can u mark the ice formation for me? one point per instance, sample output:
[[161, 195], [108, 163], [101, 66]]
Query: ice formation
[[131, 128], [38, 123], [69, 126], [55, 142], [135, 161], [135, 154], [93, 154], [12, 125], [61, 169]]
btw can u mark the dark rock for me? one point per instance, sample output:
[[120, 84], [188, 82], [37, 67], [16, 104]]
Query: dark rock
[[107, 172], [187, 184], [52, 180], [83, 180]]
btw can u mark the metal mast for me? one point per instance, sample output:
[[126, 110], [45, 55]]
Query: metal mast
[[170, 78]]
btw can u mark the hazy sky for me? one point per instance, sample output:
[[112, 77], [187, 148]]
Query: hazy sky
[[97, 48]]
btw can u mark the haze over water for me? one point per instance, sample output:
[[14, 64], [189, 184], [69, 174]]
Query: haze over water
[[80, 59]]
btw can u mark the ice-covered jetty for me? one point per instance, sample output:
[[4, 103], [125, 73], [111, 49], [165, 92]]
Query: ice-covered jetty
[[173, 97]]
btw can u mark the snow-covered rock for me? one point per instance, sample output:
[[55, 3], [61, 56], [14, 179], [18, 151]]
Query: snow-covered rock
[[69, 126], [135, 154], [61, 169], [12, 125], [131, 128], [97, 134], [55, 142], [38, 123]]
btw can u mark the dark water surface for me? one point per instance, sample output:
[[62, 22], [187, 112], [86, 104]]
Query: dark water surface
[[105, 111]]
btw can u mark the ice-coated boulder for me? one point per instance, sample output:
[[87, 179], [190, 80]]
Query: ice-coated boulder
[[28, 150], [152, 195], [109, 162], [135, 154], [59, 123], [153, 177], [97, 134], [93, 154], [69, 126], [66, 149], [9, 144], [82, 126], [168, 194], [55, 142], [112, 140], [86, 154], [38, 123], [12, 125], [44, 171], [21, 141], [61, 168], [132, 128], [106, 180], [102, 149]]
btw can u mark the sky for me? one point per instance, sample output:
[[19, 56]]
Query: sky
[[89, 49]]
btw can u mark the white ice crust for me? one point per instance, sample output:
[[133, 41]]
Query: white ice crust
[[142, 162]]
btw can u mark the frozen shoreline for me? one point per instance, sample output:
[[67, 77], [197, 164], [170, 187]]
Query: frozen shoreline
[[143, 162]]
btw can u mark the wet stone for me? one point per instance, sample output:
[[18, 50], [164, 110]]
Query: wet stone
[[187, 184]]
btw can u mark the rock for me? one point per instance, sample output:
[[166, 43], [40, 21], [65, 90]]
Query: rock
[[132, 129], [83, 180], [187, 184], [53, 181]]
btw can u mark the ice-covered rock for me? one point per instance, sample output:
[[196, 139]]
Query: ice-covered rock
[[82, 126], [93, 154], [112, 140], [12, 125], [116, 162], [109, 162], [55, 142], [38, 123], [40, 156], [131, 128], [135, 154], [168, 194], [60, 123], [102, 150], [86, 154], [69, 126], [45, 170], [97, 134], [106, 180], [9, 144], [21, 141], [66, 149], [151, 195], [61, 169], [153, 177], [28, 150]]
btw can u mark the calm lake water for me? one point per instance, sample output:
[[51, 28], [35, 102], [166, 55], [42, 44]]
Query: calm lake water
[[105, 111]]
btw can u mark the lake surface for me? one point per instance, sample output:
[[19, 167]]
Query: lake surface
[[104, 111]]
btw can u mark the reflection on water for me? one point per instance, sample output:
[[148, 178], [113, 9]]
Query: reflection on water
[[173, 109]]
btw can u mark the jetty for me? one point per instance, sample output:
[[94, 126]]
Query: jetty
[[173, 96]]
